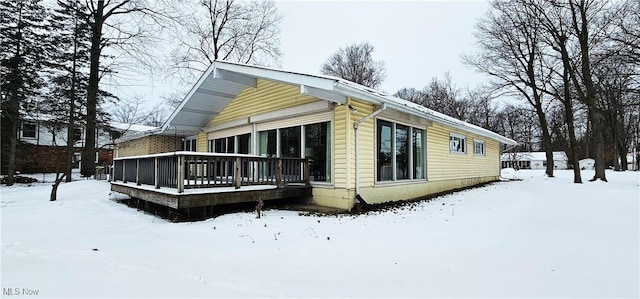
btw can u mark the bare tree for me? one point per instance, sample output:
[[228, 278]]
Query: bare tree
[[580, 31], [510, 42], [355, 63], [121, 25], [238, 31], [410, 94]]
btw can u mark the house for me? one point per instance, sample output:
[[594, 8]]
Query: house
[[587, 163], [358, 142], [42, 137], [533, 160]]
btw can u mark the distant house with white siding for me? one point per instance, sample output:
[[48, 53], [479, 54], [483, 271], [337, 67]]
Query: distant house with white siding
[[42, 143], [533, 160]]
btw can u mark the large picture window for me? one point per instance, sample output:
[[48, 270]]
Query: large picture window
[[401, 152], [289, 142]]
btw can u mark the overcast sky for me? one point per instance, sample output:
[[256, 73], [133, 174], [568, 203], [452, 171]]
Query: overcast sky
[[417, 40]]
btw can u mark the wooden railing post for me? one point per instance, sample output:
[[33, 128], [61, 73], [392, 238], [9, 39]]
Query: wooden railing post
[[279, 172], [156, 173], [124, 171], [307, 169], [238, 173], [180, 176], [138, 172]]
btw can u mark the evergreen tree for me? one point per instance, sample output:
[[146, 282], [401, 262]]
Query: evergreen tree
[[72, 34], [23, 51]]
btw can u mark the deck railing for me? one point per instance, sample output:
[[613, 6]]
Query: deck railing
[[186, 170]]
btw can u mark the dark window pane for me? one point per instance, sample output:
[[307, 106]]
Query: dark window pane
[[402, 152], [385, 147], [318, 150], [244, 144], [418, 154], [267, 146], [290, 142]]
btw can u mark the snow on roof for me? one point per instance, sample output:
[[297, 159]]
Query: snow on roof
[[130, 127], [113, 124], [533, 156], [328, 85]]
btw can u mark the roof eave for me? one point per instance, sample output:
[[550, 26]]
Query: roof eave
[[379, 99]]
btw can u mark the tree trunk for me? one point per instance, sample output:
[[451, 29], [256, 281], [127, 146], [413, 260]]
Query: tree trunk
[[54, 189], [598, 139], [546, 140], [622, 153], [89, 152], [568, 114]]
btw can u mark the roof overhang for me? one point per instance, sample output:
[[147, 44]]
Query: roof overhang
[[224, 81]]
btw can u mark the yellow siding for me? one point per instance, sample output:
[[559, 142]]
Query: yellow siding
[[268, 96], [367, 143], [409, 191], [341, 159], [202, 142], [444, 165]]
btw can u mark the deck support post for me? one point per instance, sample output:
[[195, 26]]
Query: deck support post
[[238, 173], [156, 174], [180, 175], [138, 172]]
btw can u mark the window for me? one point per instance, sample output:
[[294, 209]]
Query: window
[[457, 143], [77, 134], [401, 152], [419, 161], [29, 130], [385, 160], [244, 144], [190, 145], [224, 145], [317, 148], [289, 142], [478, 148], [267, 146]]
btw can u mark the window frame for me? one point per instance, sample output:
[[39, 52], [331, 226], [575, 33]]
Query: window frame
[[484, 148], [463, 141], [35, 130], [411, 158]]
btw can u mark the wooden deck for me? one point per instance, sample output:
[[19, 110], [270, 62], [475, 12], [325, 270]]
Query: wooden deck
[[185, 180], [206, 197]]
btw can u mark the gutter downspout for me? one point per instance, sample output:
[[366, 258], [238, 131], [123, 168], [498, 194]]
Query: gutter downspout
[[357, 147]]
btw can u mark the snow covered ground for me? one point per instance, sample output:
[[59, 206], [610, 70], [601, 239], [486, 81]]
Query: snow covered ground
[[539, 237]]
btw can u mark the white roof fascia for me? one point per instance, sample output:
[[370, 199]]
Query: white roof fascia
[[193, 90], [138, 135], [428, 114], [323, 94], [278, 75]]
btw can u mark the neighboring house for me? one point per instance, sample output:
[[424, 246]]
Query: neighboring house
[[533, 160], [42, 143], [587, 163], [359, 141]]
